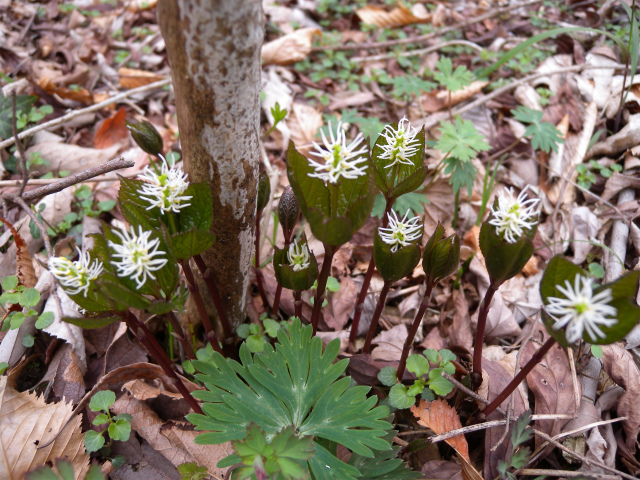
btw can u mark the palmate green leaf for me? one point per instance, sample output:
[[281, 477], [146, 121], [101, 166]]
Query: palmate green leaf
[[295, 384], [410, 85], [385, 465], [544, 135], [449, 78], [461, 140]]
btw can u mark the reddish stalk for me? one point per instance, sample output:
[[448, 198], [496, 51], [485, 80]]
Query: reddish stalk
[[202, 310], [215, 295], [365, 283], [322, 284], [482, 323], [414, 329], [145, 337], [259, 276], [180, 335], [376, 317], [297, 297], [536, 359]]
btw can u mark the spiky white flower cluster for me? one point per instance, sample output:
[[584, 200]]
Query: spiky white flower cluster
[[136, 255], [75, 277], [166, 190], [513, 215], [340, 159], [401, 232], [401, 144], [581, 310], [298, 256]]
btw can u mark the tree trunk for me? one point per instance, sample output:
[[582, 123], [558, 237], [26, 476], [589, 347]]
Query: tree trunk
[[214, 51]]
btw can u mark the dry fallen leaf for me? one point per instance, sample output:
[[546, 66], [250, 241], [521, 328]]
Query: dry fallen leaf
[[81, 94], [304, 121], [398, 17], [112, 131], [289, 49], [24, 420], [62, 156], [133, 78], [441, 418]]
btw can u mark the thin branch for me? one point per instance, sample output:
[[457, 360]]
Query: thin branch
[[49, 181], [564, 473], [27, 209], [469, 392], [92, 108], [76, 178], [421, 51]]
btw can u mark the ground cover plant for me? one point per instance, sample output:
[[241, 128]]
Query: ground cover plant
[[443, 256]]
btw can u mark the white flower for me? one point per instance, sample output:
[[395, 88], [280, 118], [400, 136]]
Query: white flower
[[513, 215], [401, 232], [136, 255], [340, 159], [76, 276], [401, 143], [581, 310], [298, 256], [165, 191]]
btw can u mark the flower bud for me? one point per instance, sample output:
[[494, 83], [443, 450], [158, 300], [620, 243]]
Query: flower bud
[[441, 255], [147, 137], [288, 210], [264, 191]]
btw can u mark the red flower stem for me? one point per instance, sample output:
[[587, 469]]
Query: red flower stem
[[297, 297], [376, 317], [322, 284], [202, 310], [276, 299], [145, 337], [535, 360], [365, 283], [259, 276], [482, 323], [182, 338], [215, 295], [414, 329]]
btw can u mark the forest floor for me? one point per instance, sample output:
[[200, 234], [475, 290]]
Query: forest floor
[[326, 61]]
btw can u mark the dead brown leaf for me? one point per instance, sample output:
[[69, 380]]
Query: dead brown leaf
[[24, 264], [24, 420], [442, 470], [442, 418], [398, 17], [80, 95], [619, 364], [460, 334], [112, 131], [62, 156], [133, 78], [289, 49], [342, 304], [68, 382]]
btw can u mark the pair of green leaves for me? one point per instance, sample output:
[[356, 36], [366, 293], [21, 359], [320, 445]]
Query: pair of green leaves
[[118, 428], [441, 255]]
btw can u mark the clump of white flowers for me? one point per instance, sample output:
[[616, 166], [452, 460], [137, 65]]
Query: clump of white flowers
[[166, 190], [340, 159], [401, 144], [136, 255], [514, 214], [581, 310], [75, 277], [401, 232], [298, 256]]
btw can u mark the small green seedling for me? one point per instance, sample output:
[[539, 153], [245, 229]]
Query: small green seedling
[[254, 334], [118, 427], [16, 294]]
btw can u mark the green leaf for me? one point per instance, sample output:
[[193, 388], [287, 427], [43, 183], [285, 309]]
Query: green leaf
[[596, 351], [418, 365], [3, 367], [10, 297], [394, 266], [123, 416], [544, 135], [101, 401], [461, 141], [120, 430], [387, 376], [294, 384], [446, 356], [271, 327], [255, 343], [288, 277], [399, 398], [100, 419], [451, 79], [326, 466], [310, 192], [9, 282], [28, 340], [440, 385], [23, 104], [134, 208], [119, 293], [191, 243], [93, 441], [412, 183], [199, 214], [44, 320], [410, 85], [29, 298], [193, 471], [17, 319], [243, 331], [384, 466]]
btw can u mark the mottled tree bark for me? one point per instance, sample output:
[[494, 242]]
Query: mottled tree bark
[[214, 51]]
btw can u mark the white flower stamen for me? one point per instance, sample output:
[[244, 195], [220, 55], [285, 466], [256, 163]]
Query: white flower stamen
[[581, 310], [401, 143], [298, 256], [165, 191], [340, 159], [75, 277], [136, 255], [401, 232], [513, 215]]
